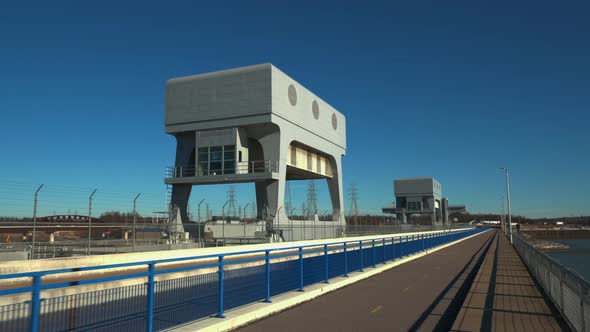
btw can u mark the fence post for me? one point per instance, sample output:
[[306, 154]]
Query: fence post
[[301, 269], [326, 261], [561, 291], [361, 254], [345, 261], [373, 250], [423, 242], [36, 303], [150, 297], [384, 260], [267, 270], [221, 277], [392, 249], [582, 318]]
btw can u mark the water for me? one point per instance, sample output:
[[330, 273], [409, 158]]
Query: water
[[577, 257]]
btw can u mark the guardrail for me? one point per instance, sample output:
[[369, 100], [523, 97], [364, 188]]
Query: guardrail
[[566, 288], [216, 283], [244, 167]]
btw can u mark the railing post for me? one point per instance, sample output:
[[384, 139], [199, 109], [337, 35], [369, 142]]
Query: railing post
[[373, 249], [267, 270], [36, 303], [423, 242], [392, 249], [384, 260], [361, 254], [221, 277], [583, 319], [345, 261], [150, 297], [301, 289], [326, 261]]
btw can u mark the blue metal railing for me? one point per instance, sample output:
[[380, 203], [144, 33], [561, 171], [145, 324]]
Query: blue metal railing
[[163, 304]]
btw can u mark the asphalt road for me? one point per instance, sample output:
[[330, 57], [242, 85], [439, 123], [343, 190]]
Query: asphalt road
[[417, 295]]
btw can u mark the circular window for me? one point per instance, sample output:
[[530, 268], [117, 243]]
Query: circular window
[[292, 95], [334, 121], [315, 108]]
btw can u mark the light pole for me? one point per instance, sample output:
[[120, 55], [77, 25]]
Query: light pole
[[35, 221], [198, 221], [90, 219], [508, 196], [134, 218], [503, 219]]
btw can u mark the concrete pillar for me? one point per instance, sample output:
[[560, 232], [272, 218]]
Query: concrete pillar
[[335, 188], [272, 192], [185, 149], [445, 210]]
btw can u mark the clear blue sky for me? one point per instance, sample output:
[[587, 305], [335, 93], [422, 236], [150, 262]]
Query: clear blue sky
[[448, 89]]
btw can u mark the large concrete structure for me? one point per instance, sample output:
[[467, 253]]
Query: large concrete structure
[[419, 196], [252, 124]]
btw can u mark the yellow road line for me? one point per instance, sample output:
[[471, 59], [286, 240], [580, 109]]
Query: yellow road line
[[377, 308]]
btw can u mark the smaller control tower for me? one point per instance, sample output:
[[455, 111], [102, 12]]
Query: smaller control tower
[[419, 196]]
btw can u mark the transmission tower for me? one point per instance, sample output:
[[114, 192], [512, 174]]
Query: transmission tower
[[231, 198], [312, 200], [354, 208]]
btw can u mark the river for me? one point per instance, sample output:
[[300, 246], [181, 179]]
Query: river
[[577, 257]]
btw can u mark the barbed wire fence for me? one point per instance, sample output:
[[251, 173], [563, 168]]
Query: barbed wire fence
[[98, 221]]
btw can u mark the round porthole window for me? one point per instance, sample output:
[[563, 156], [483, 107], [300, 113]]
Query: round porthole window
[[334, 121], [292, 95], [315, 109]]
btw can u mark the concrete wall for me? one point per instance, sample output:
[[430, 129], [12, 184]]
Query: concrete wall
[[240, 92], [417, 187]]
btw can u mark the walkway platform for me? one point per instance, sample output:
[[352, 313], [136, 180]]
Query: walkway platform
[[504, 297], [477, 284]]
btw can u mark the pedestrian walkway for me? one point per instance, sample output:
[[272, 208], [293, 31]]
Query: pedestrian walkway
[[504, 297]]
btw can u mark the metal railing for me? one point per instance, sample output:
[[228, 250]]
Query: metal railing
[[244, 167], [567, 289], [216, 283]]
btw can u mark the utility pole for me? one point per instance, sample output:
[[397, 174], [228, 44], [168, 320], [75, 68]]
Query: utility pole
[[90, 220], [231, 199], [245, 207], [312, 200], [354, 208], [508, 196], [223, 224], [198, 221], [134, 219], [35, 221], [278, 220]]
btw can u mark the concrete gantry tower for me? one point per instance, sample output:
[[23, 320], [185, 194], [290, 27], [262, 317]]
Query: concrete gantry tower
[[252, 124]]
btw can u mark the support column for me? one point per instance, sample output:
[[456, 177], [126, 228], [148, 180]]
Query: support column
[[272, 192], [185, 149], [335, 188]]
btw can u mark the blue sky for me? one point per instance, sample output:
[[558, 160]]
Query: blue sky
[[451, 90]]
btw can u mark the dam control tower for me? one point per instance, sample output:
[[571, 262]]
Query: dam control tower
[[252, 124]]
